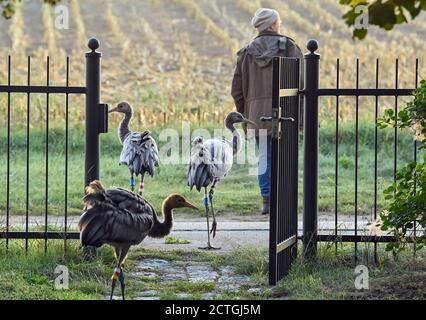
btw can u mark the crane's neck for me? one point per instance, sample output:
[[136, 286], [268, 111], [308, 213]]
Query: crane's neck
[[168, 215], [123, 129], [162, 229], [236, 137]]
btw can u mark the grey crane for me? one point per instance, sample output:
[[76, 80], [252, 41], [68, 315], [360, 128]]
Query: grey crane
[[140, 152], [122, 219], [210, 161]]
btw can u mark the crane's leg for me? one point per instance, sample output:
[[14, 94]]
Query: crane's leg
[[121, 277], [142, 183], [132, 182], [114, 278], [214, 224], [206, 205], [118, 271]]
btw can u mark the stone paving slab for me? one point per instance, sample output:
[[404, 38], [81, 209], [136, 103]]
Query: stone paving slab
[[225, 278]]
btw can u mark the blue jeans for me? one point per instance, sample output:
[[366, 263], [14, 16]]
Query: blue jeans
[[264, 165]]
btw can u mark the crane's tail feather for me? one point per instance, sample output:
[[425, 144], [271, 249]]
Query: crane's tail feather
[[91, 225], [91, 221], [200, 176], [94, 187], [94, 194]]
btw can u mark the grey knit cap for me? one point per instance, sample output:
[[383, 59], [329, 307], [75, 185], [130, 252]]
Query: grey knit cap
[[264, 18]]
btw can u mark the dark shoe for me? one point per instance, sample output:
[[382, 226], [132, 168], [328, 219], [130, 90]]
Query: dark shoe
[[266, 205]]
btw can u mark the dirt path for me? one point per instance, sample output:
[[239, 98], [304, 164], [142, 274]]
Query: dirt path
[[209, 281]]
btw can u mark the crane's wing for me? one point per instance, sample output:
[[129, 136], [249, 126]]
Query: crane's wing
[[130, 201], [200, 167], [221, 151], [110, 217], [140, 153]]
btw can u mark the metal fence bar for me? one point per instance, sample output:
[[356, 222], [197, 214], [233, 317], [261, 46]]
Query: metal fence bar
[[395, 163], [376, 133], [39, 235], [295, 150], [416, 84], [336, 178], [365, 92], [42, 89], [8, 154], [361, 238], [52, 235], [27, 184], [356, 157], [92, 113], [66, 153], [310, 150], [46, 191]]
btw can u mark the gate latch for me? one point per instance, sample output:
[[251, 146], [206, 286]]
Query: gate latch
[[281, 119], [276, 123], [103, 118]]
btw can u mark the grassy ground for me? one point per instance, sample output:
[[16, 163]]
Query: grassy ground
[[31, 277], [331, 277], [239, 193]]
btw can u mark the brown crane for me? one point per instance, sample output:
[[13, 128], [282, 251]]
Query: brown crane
[[122, 219]]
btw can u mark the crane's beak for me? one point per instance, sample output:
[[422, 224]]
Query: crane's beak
[[250, 122], [190, 205], [112, 110]]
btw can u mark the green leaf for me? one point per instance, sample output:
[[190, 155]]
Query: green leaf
[[359, 34], [382, 13]]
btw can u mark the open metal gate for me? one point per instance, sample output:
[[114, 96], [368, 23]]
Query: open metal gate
[[284, 167]]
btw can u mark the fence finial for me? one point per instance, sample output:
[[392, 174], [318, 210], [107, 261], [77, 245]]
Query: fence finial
[[93, 44], [312, 45]]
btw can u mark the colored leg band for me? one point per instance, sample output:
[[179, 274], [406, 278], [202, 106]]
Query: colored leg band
[[206, 201], [132, 182], [116, 275]]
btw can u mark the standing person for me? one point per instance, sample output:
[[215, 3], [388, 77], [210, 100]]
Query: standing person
[[252, 86]]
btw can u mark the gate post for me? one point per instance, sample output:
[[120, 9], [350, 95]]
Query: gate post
[[310, 163], [92, 112]]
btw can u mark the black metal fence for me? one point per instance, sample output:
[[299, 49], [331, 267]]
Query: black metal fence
[[96, 123], [312, 93], [285, 167]]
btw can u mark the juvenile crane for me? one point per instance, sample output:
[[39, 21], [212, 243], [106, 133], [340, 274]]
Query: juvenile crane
[[210, 161], [140, 152], [122, 219]]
